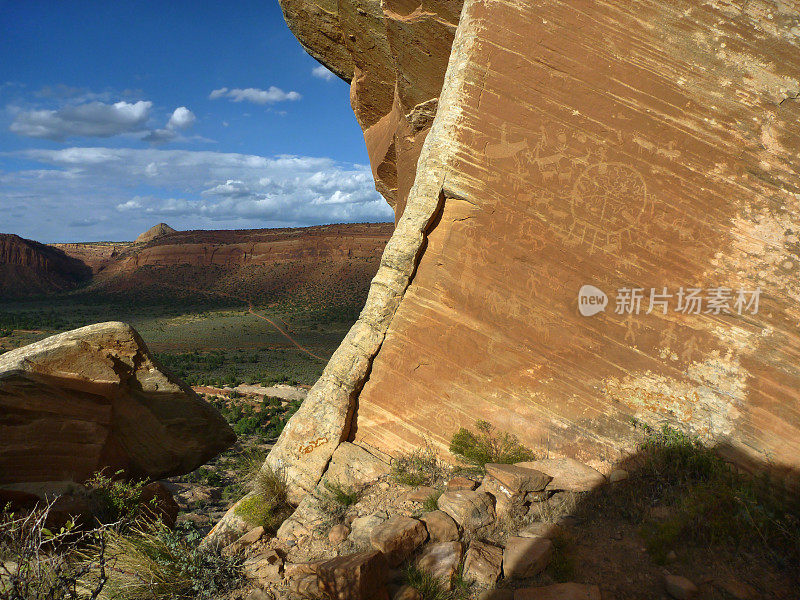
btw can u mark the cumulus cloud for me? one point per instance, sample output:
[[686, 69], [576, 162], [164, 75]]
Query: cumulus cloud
[[181, 118], [254, 95], [94, 119], [194, 189], [322, 72]]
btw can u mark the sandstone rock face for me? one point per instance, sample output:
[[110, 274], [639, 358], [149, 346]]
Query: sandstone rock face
[[28, 268], [470, 509], [441, 526], [356, 577], [156, 231], [394, 53], [398, 537], [91, 398], [616, 145], [483, 563], [525, 557]]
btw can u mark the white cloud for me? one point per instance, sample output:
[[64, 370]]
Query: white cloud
[[195, 189], [255, 95], [322, 72], [94, 119], [181, 118]]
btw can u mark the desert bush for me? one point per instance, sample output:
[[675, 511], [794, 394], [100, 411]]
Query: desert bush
[[37, 564], [157, 563], [431, 502], [420, 467], [267, 505], [335, 501], [488, 446], [115, 499], [432, 588]]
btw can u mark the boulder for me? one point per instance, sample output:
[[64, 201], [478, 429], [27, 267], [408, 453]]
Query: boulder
[[441, 560], [560, 591], [338, 533], [398, 537], [483, 563], [567, 474], [93, 399], [525, 557], [470, 509], [359, 576], [461, 483], [441, 527]]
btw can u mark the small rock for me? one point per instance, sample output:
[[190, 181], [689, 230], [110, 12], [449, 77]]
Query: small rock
[[338, 534], [470, 509], [483, 563], [525, 557], [518, 479], [540, 530], [260, 595], [440, 526], [679, 587], [461, 483], [617, 475], [359, 576], [251, 537], [300, 570], [560, 591], [441, 560], [398, 537], [568, 474], [420, 494], [407, 593]]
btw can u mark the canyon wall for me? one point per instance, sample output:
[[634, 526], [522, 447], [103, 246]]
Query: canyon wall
[[28, 268], [646, 149]]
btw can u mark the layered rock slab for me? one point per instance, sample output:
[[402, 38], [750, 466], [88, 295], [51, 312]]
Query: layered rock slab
[[94, 398], [641, 147]]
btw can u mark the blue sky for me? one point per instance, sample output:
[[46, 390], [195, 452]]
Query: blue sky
[[117, 115]]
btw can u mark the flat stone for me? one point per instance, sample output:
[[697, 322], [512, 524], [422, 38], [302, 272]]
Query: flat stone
[[470, 509], [359, 576], [441, 527], [568, 474], [518, 478], [251, 537], [420, 494], [483, 563], [441, 560], [679, 587], [398, 537], [540, 530], [560, 591], [461, 483], [525, 557]]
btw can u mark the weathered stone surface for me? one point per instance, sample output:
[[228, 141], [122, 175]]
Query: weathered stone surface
[[525, 557], [338, 533], [441, 527], [156, 231], [441, 560], [518, 478], [470, 509], [420, 494], [506, 502], [355, 577], [398, 537], [560, 591], [668, 162], [361, 529], [94, 398], [267, 566], [483, 563], [461, 483], [568, 474], [679, 587]]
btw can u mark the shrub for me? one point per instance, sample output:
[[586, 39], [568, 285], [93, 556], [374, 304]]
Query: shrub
[[432, 588], [115, 499], [488, 446], [159, 563], [267, 505], [431, 502], [420, 467], [335, 502]]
